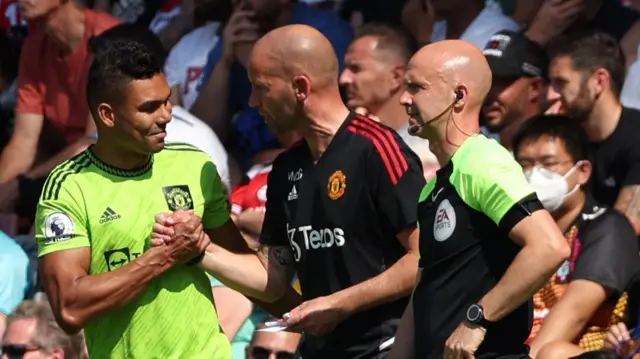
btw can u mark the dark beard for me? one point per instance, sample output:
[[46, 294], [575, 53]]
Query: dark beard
[[582, 106]]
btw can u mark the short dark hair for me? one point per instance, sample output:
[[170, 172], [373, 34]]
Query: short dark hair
[[590, 51], [133, 32], [115, 66], [555, 126], [390, 38]]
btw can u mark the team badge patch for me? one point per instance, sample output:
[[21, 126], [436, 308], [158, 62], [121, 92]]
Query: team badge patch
[[445, 221], [337, 185], [58, 227], [178, 197]]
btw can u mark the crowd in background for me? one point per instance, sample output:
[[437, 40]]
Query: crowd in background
[[535, 49]]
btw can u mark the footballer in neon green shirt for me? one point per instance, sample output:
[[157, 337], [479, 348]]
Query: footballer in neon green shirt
[[95, 218]]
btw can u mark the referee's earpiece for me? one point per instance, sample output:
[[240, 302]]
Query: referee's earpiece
[[459, 95]]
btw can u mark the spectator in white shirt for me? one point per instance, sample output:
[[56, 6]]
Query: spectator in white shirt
[[186, 61], [185, 127], [469, 20]]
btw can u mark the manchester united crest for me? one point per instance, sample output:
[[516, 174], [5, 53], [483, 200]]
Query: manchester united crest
[[337, 185], [178, 197]]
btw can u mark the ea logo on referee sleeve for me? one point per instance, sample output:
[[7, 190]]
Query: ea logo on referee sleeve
[[58, 227], [337, 185], [178, 197], [445, 222]]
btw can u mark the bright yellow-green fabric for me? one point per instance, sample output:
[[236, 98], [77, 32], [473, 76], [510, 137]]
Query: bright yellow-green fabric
[[88, 204]]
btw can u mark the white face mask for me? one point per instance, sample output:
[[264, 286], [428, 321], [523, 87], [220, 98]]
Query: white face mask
[[551, 187]]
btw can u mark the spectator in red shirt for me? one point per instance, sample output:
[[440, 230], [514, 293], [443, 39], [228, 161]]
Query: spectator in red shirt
[[52, 117], [248, 200]]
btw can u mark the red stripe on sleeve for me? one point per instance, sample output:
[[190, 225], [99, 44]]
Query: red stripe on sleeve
[[379, 146], [389, 148], [387, 133]]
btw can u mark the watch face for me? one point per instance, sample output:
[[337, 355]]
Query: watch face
[[474, 313]]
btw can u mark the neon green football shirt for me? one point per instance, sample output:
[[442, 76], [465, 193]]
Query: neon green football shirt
[[87, 203]]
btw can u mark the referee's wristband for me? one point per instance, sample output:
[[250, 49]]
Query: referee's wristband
[[196, 260]]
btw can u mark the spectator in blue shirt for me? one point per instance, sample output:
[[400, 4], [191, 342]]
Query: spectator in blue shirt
[[225, 88], [14, 269]]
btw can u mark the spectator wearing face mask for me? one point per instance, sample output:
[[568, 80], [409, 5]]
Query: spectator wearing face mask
[[587, 294]]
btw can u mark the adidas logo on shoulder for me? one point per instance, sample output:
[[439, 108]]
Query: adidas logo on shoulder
[[109, 215]]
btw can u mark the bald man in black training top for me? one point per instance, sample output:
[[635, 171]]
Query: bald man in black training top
[[341, 206]]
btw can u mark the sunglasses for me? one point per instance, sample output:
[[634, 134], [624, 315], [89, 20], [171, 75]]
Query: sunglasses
[[265, 353], [17, 351]]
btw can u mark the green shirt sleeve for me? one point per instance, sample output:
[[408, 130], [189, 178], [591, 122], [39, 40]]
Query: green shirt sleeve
[[61, 221], [491, 181], [216, 206]]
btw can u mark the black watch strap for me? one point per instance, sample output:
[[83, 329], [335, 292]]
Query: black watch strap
[[196, 260], [475, 315]]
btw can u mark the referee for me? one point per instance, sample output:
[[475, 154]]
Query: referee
[[486, 244], [341, 206]]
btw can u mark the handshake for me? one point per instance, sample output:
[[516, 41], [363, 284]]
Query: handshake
[[181, 235]]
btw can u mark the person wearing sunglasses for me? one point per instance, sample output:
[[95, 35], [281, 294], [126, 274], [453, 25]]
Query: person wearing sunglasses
[[32, 333], [267, 344], [588, 293]]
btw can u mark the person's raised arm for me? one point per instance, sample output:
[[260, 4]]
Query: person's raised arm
[[20, 153], [68, 152], [211, 106], [179, 25], [65, 256]]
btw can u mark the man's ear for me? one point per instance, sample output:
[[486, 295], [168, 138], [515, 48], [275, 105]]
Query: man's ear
[[584, 172], [106, 115], [397, 78], [301, 87]]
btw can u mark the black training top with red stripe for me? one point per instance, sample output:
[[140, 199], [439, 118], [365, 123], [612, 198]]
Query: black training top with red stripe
[[340, 218]]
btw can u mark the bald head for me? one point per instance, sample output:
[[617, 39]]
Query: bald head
[[456, 63], [297, 50]]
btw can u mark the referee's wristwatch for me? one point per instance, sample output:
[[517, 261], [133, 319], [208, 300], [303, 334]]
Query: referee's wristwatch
[[475, 316]]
